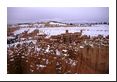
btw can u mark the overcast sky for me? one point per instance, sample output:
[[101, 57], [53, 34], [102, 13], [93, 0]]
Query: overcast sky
[[63, 14]]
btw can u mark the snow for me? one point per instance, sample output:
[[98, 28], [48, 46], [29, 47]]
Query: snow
[[57, 23], [11, 59], [28, 41], [40, 65], [58, 52], [22, 56], [47, 49], [81, 47], [91, 45], [21, 30], [22, 38], [10, 37], [38, 49], [24, 25], [92, 31], [31, 30], [64, 50], [47, 62], [74, 63], [65, 54]]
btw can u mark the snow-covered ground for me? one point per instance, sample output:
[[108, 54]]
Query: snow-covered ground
[[14, 44], [92, 31], [21, 30]]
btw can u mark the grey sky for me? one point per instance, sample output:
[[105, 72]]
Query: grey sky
[[63, 14]]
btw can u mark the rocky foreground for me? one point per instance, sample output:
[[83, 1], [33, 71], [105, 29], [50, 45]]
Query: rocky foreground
[[67, 53]]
